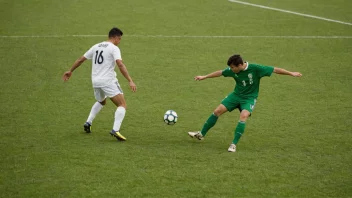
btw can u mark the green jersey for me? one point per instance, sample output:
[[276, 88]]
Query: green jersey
[[248, 80]]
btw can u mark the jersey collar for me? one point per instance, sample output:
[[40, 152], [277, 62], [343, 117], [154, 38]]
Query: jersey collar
[[246, 66]]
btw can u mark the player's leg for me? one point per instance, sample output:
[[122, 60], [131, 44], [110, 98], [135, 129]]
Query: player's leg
[[97, 106], [211, 121], [241, 126], [247, 107], [213, 118], [229, 103], [114, 92], [120, 112]]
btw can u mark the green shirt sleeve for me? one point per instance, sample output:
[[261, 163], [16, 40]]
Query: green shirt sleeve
[[227, 72], [263, 70]]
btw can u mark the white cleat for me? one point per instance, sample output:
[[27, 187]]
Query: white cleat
[[196, 134], [232, 148]]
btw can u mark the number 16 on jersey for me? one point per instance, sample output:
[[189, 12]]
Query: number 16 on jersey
[[99, 57]]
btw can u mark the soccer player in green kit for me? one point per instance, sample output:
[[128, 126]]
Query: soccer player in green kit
[[247, 77]]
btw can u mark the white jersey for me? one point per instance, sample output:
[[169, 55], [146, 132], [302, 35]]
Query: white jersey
[[104, 56]]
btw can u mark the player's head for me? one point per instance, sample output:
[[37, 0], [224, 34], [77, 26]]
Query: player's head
[[235, 62], [115, 35]]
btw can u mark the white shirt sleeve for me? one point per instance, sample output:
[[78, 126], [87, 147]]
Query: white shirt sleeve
[[116, 53], [89, 54]]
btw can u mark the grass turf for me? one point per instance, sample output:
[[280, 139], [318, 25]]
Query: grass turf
[[296, 144]]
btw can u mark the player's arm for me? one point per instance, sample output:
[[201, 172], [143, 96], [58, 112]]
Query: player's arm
[[286, 72], [75, 65], [211, 75], [124, 72]]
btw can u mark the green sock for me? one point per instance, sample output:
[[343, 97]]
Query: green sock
[[239, 131], [209, 123]]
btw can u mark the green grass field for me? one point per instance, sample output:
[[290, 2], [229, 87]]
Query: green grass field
[[296, 144]]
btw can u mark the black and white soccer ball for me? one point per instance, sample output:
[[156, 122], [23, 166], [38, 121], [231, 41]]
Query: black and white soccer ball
[[170, 117]]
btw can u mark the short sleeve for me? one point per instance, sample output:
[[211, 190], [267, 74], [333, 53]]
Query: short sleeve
[[89, 54], [116, 53], [227, 72], [263, 70]]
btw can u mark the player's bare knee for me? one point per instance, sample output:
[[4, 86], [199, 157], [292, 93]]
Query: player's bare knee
[[244, 115], [218, 112], [243, 118], [221, 109], [123, 105], [103, 102]]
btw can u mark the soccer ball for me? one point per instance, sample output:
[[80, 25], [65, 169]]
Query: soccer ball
[[170, 117]]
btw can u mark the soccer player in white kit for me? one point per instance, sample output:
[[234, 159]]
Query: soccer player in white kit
[[104, 55]]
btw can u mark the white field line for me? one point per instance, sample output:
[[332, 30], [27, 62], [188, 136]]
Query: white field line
[[290, 12], [180, 36]]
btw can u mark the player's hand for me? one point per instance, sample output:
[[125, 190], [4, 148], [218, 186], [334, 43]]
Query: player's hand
[[296, 74], [133, 86], [66, 76], [200, 78]]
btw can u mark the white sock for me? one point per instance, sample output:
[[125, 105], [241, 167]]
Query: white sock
[[119, 115], [94, 111]]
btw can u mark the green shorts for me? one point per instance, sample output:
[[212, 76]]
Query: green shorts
[[233, 101]]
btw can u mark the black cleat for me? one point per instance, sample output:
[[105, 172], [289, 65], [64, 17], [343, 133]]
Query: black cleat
[[87, 127]]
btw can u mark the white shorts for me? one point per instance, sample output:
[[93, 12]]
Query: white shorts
[[110, 91]]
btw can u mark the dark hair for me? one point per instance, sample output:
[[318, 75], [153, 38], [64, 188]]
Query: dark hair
[[115, 32], [235, 60]]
